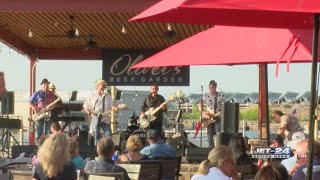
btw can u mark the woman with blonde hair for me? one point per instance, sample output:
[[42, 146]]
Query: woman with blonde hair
[[134, 145], [54, 161], [220, 165]]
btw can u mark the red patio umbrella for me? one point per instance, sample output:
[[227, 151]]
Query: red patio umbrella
[[253, 13], [225, 45], [271, 13]]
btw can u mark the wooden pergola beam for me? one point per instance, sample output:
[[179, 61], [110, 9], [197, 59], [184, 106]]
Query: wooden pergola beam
[[11, 40], [69, 54], [75, 6]]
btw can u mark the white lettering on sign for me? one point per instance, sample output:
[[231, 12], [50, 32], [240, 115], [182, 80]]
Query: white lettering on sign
[[115, 71]]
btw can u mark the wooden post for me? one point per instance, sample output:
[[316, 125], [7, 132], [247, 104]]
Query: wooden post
[[263, 121], [31, 129]]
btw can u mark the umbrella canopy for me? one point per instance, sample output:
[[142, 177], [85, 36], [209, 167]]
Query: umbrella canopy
[[271, 13], [253, 13], [223, 45]]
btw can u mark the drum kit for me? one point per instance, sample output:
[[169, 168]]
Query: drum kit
[[134, 128]]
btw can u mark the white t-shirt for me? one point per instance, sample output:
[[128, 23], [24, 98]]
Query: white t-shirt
[[209, 101], [214, 173], [95, 102]]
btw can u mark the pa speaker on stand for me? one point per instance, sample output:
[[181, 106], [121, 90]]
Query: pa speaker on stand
[[230, 117], [229, 123], [7, 104]]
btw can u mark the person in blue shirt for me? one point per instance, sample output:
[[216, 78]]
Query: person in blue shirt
[[74, 154], [38, 102], [157, 147]]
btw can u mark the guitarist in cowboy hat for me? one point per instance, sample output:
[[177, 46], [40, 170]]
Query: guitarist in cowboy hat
[[213, 101], [154, 100], [98, 106]]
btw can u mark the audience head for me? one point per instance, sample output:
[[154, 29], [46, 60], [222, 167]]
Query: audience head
[[53, 148], [276, 114], [152, 136], [55, 128], [134, 144], [276, 140], [105, 147], [221, 157], [302, 151], [237, 145], [73, 148], [296, 138], [274, 171]]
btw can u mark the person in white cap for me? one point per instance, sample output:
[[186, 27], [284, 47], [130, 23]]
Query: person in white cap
[[291, 163], [98, 107]]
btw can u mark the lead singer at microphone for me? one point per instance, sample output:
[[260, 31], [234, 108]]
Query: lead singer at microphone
[[211, 117], [98, 107]]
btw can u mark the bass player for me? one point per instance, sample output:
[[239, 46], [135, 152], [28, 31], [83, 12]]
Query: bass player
[[213, 102], [154, 100], [38, 102]]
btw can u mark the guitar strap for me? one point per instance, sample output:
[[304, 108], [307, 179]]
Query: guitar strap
[[103, 104], [215, 103]]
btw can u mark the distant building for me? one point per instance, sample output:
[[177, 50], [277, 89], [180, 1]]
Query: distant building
[[287, 97], [302, 97], [273, 97], [252, 98], [194, 98], [237, 98]]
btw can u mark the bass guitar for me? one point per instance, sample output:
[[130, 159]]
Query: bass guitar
[[150, 114], [210, 117]]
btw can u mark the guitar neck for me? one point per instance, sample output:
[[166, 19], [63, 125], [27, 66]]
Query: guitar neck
[[158, 108]]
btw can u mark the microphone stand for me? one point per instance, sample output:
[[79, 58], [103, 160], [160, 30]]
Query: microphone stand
[[201, 105]]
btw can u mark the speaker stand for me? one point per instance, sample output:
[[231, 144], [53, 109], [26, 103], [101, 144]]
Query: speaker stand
[[5, 141]]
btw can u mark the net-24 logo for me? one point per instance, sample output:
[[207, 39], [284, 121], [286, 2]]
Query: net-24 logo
[[271, 152]]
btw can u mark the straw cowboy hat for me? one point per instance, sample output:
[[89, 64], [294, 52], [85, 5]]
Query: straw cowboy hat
[[103, 82], [51, 86]]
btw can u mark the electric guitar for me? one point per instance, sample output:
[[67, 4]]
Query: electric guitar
[[101, 114], [210, 117], [150, 114]]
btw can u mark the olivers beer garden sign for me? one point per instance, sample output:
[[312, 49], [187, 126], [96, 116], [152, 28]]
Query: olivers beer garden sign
[[117, 70]]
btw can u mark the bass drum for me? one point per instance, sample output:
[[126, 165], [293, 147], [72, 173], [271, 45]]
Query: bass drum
[[142, 135]]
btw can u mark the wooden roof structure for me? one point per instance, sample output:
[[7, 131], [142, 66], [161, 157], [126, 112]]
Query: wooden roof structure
[[41, 29], [79, 30]]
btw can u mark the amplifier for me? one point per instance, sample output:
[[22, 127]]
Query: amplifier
[[10, 123], [179, 145], [88, 151], [195, 153], [29, 150]]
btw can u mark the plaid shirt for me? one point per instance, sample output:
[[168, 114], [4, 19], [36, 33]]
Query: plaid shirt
[[102, 165]]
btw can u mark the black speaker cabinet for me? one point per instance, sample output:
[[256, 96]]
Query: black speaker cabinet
[[29, 150], [179, 144], [88, 151], [83, 138], [230, 117], [224, 138], [195, 153], [7, 104]]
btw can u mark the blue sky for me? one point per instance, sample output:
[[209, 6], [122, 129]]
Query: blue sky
[[81, 75]]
